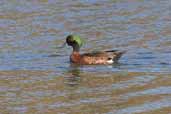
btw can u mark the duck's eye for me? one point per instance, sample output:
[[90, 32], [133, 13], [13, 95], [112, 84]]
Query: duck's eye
[[69, 39]]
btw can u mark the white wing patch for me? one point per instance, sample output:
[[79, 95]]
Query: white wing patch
[[110, 61]]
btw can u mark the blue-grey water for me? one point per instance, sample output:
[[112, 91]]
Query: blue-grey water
[[36, 76]]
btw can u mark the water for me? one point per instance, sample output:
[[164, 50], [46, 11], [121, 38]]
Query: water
[[36, 76]]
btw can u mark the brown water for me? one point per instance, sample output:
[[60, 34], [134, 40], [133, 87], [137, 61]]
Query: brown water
[[37, 78]]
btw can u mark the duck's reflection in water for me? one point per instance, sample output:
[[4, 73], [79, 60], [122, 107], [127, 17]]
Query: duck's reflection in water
[[73, 78]]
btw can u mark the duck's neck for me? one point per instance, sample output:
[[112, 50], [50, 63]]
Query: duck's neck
[[76, 48], [75, 56]]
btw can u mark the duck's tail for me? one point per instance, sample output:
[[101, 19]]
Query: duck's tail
[[117, 55]]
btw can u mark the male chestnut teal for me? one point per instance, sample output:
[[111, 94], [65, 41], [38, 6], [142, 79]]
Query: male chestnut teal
[[101, 57]]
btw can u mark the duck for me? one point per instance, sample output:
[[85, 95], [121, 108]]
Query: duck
[[92, 58]]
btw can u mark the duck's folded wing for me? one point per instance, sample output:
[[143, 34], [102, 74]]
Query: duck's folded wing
[[95, 54], [105, 57], [95, 58]]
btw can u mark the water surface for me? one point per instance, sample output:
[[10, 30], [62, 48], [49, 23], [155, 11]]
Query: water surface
[[36, 76]]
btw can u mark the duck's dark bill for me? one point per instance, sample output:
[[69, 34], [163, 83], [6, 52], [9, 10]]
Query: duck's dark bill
[[63, 45]]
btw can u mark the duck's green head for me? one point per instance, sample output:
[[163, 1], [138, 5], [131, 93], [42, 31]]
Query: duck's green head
[[74, 40]]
